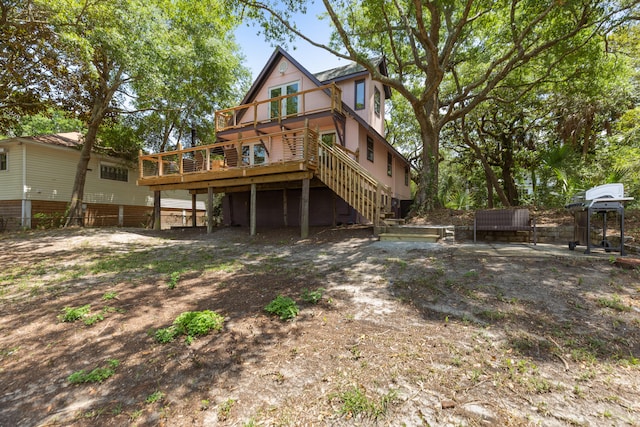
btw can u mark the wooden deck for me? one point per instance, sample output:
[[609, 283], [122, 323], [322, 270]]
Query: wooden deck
[[224, 165]]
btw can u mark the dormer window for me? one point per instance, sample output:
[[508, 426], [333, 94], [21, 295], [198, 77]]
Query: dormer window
[[286, 106], [376, 101], [359, 104]]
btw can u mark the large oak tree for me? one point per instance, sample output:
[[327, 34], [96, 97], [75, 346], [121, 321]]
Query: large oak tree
[[447, 57]]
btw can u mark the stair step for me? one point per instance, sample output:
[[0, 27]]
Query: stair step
[[411, 237]]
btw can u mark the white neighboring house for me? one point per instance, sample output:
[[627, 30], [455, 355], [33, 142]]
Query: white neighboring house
[[36, 182]]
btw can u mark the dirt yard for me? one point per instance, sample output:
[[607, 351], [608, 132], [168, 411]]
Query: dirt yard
[[404, 334]]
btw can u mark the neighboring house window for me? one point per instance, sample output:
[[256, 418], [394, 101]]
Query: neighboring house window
[[254, 154], [376, 101], [389, 164], [286, 106], [3, 161], [329, 138], [359, 104], [406, 176], [369, 149], [115, 173]]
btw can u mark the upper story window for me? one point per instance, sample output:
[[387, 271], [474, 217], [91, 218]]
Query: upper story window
[[286, 106], [376, 101], [389, 164], [3, 161], [406, 176], [359, 104], [370, 149], [115, 173]]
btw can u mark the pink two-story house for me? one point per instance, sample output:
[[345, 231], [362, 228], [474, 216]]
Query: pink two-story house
[[300, 150]]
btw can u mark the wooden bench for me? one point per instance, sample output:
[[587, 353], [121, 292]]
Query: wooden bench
[[504, 220]]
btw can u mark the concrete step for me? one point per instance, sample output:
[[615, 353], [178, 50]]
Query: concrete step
[[409, 237], [441, 231]]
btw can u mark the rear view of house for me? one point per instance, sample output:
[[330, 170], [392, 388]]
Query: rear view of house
[[300, 150]]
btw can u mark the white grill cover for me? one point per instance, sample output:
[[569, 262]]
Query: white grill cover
[[605, 191]]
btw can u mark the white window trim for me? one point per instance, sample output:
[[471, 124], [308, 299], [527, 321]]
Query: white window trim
[[283, 105], [115, 165]]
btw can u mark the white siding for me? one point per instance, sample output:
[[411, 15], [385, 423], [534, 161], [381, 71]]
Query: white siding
[[51, 172], [11, 179]]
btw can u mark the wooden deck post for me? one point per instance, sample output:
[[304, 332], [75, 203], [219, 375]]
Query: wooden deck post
[[157, 211], [194, 219], [284, 207], [209, 210], [252, 210], [304, 209]]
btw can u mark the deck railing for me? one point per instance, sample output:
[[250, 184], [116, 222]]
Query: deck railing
[[299, 145], [275, 109]]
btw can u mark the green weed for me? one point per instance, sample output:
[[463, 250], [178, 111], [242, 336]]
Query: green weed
[[615, 302], [154, 397], [109, 296], [312, 297], [284, 307], [225, 409], [192, 324], [97, 375], [174, 278], [71, 314]]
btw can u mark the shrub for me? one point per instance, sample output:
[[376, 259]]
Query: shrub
[[71, 314], [191, 324], [284, 307], [312, 297]]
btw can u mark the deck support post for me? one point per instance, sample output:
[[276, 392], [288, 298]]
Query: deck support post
[[304, 209], [157, 211], [194, 219], [209, 210], [252, 210], [284, 207]]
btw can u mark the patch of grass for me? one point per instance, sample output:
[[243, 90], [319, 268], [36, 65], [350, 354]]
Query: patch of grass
[[97, 375], [284, 307], [154, 397], [107, 296], [312, 297], [71, 314], [355, 401], [192, 324], [492, 315], [93, 319], [615, 302]]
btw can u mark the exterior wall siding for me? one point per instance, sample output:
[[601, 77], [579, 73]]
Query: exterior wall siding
[[11, 179]]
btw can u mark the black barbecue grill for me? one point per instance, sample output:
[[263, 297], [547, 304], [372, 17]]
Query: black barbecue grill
[[598, 201]]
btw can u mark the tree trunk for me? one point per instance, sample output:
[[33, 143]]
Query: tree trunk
[[488, 172], [427, 193], [110, 81], [508, 165], [75, 214]]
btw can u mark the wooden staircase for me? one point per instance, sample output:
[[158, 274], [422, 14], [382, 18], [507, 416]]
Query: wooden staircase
[[354, 184]]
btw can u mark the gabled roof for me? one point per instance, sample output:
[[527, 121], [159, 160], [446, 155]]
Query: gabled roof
[[279, 53], [353, 70], [68, 139]]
